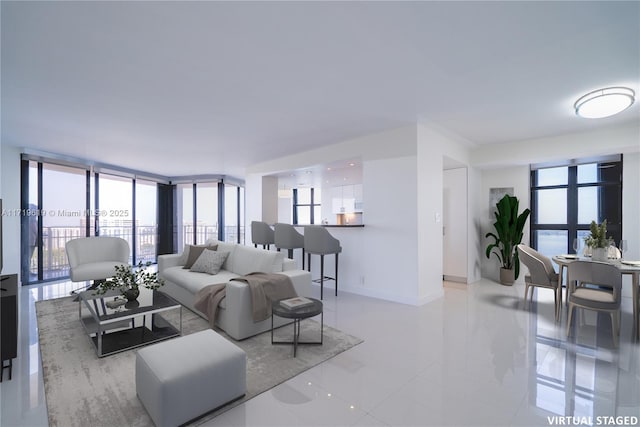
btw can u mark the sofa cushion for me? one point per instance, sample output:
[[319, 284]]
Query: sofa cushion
[[227, 247], [209, 261], [193, 281], [194, 252], [250, 260]]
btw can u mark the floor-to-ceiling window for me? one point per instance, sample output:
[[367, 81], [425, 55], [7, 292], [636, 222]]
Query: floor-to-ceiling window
[[565, 199], [210, 210], [146, 220], [231, 213], [62, 200], [197, 212], [206, 211], [115, 204], [185, 212], [66, 199]]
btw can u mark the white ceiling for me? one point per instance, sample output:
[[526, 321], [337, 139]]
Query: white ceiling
[[182, 88]]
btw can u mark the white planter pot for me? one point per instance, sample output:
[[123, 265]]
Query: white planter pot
[[600, 254], [507, 277]]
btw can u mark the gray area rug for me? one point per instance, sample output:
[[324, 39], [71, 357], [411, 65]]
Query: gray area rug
[[83, 390]]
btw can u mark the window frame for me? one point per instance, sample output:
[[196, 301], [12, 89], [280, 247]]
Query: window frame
[[614, 225], [312, 205]]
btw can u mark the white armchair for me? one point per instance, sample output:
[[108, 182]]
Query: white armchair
[[95, 258]]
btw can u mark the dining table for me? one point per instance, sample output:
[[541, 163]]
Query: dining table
[[631, 268]]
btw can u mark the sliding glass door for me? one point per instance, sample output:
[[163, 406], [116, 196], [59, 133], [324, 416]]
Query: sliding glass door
[[146, 222], [115, 200], [206, 212], [63, 200]]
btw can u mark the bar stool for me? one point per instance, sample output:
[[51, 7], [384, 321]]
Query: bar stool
[[261, 234], [318, 241], [287, 237]]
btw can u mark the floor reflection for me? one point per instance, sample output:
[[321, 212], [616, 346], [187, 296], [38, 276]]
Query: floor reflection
[[583, 375]]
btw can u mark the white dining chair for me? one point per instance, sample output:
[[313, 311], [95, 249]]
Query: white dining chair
[[595, 286], [541, 274]]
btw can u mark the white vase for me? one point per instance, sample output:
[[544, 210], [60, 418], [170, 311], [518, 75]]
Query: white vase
[[600, 254]]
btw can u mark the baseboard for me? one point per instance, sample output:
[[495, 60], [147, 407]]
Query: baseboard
[[386, 296], [457, 279]]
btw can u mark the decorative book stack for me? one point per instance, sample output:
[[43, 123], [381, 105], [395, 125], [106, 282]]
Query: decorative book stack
[[296, 302]]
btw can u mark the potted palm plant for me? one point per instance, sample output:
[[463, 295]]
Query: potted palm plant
[[128, 280], [598, 241], [508, 234]]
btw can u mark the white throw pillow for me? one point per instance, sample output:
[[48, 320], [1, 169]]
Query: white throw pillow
[[209, 262], [184, 256]]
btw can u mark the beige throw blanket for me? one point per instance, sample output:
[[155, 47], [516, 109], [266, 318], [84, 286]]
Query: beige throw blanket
[[207, 300], [264, 288]]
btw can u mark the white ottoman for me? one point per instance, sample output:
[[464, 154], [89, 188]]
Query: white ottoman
[[180, 379]]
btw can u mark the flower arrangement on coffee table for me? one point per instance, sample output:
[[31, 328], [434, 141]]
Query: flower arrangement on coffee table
[[128, 280]]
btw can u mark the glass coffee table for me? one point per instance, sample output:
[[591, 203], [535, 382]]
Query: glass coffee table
[[153, 317], [298, 314]]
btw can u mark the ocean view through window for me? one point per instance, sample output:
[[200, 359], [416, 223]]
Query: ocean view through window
[[565, 199]]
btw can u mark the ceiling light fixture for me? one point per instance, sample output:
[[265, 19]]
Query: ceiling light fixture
[[604, 102]]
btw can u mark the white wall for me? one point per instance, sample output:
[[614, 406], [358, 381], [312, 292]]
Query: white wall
[[454, 222], [429, 195], [285, 210], [389, 249], [380, 259], [11, 201], [475, 249], [631, 211], [2, 217], [438, 144], [269, 200], [610, 140]]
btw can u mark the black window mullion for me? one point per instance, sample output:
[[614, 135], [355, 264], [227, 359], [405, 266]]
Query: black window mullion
[[87, 204], [96, 203], [195, 215], [238, 193], [311, 216], [295, 205], [134, 231], [40, 226], [533, 202], [572, 207], [221, 223]]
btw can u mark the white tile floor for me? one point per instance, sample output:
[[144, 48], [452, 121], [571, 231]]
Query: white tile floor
[[474, 357]]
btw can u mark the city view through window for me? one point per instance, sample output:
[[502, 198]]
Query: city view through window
[[122, 210]]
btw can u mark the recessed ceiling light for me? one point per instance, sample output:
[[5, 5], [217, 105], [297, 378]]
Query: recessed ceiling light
[[352, 164], [604, 102]]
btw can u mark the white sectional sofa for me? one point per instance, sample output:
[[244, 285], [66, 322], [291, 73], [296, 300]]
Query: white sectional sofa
[[234, 311]]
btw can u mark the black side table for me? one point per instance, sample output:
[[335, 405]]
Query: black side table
[[298, 314]]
